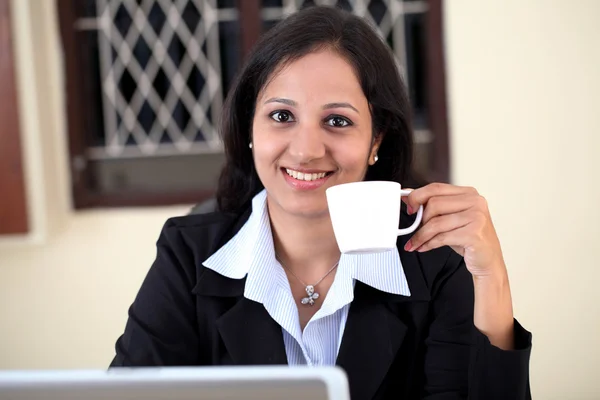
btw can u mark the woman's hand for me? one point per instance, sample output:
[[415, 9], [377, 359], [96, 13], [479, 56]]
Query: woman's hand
[[457, 217]]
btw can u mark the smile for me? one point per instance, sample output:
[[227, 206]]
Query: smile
[[304, 176]]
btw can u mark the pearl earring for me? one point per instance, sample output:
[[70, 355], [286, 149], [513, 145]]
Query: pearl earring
[[250, 145], [375, 158]]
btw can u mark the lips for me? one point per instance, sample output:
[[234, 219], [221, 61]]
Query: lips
[[305, 176], [305, 179]]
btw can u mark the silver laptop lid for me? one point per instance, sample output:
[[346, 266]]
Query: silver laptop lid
[[178, 383]]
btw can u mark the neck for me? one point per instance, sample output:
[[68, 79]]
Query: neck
[[304, 245]]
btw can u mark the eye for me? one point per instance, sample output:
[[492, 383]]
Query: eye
[[338, 121], [282, 116]]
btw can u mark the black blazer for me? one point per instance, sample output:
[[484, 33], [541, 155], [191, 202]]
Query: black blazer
[[394, 347]]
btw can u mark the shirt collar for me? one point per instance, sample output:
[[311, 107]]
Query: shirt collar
[[251, 253]]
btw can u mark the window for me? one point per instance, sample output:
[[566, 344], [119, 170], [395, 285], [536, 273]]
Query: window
[[146, 81], [13, 212]]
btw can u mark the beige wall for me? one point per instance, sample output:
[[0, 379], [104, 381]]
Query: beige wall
[[524, 98], [524, 95], [64, 290]]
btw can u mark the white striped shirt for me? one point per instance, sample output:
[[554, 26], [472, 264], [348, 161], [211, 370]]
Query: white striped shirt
[[250, 253]]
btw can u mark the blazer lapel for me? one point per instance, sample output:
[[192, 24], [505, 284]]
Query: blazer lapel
[[250, 335], [372, 337], [374, 333]]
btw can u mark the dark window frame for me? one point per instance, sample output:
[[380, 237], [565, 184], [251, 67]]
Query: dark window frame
[[250, 25], [436, 81], [13, 212]]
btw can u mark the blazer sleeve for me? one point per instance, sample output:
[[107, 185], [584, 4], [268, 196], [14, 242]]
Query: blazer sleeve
[[460, 361], [161, 328]]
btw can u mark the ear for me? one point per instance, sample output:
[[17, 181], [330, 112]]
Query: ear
[[375, 148]]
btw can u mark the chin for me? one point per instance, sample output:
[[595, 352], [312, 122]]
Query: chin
[[307, 207]]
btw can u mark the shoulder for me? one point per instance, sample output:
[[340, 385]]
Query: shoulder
[[212, 220], [201, 234]]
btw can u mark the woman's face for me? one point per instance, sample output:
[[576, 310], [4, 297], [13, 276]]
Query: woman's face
[[311, 130]]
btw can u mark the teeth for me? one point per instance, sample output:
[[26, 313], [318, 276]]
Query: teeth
[[305, 177]]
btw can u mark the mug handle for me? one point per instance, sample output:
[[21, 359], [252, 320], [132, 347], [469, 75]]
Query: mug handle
[[413, 227]]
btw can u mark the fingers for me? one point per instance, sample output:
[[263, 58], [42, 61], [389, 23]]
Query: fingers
[[422, 195], [455, 238], [437, 206], [440, 225], [453, 216]]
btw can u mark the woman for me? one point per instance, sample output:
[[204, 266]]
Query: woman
[[320, 103]]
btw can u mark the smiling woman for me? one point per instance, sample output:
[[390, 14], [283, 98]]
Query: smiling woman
[[315, 120], [320, 103], [302, 77]]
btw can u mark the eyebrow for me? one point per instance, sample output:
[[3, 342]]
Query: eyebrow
[[340, 105], [282, 100], [325, 107]]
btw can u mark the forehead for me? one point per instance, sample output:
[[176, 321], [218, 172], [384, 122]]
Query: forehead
[[322, 74]]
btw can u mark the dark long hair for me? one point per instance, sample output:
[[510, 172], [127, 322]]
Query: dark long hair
[[311, 29]]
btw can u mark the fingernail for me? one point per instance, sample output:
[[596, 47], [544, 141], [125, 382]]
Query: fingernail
[[408, 246], [409, 209]]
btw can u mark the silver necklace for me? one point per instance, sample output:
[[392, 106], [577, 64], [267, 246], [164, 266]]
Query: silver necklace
[[310, 289]]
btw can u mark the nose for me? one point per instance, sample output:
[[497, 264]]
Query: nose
[[307, 144]]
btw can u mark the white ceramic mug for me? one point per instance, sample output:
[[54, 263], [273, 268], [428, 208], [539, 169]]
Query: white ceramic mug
[[365, 215]]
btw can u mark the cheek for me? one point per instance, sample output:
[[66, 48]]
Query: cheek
[[352, 156], [267, 150]]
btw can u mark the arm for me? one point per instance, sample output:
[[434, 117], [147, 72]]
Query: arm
[[460, 360], [459, 217], [493, 313], [161, 328]]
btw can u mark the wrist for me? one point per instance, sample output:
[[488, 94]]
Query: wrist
[[496, 282], [496, 276], [493, 314]]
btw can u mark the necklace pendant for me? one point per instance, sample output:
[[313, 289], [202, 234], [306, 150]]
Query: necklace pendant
[[311, 296]]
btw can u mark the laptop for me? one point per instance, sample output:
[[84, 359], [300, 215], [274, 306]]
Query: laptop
[[178, 383]]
